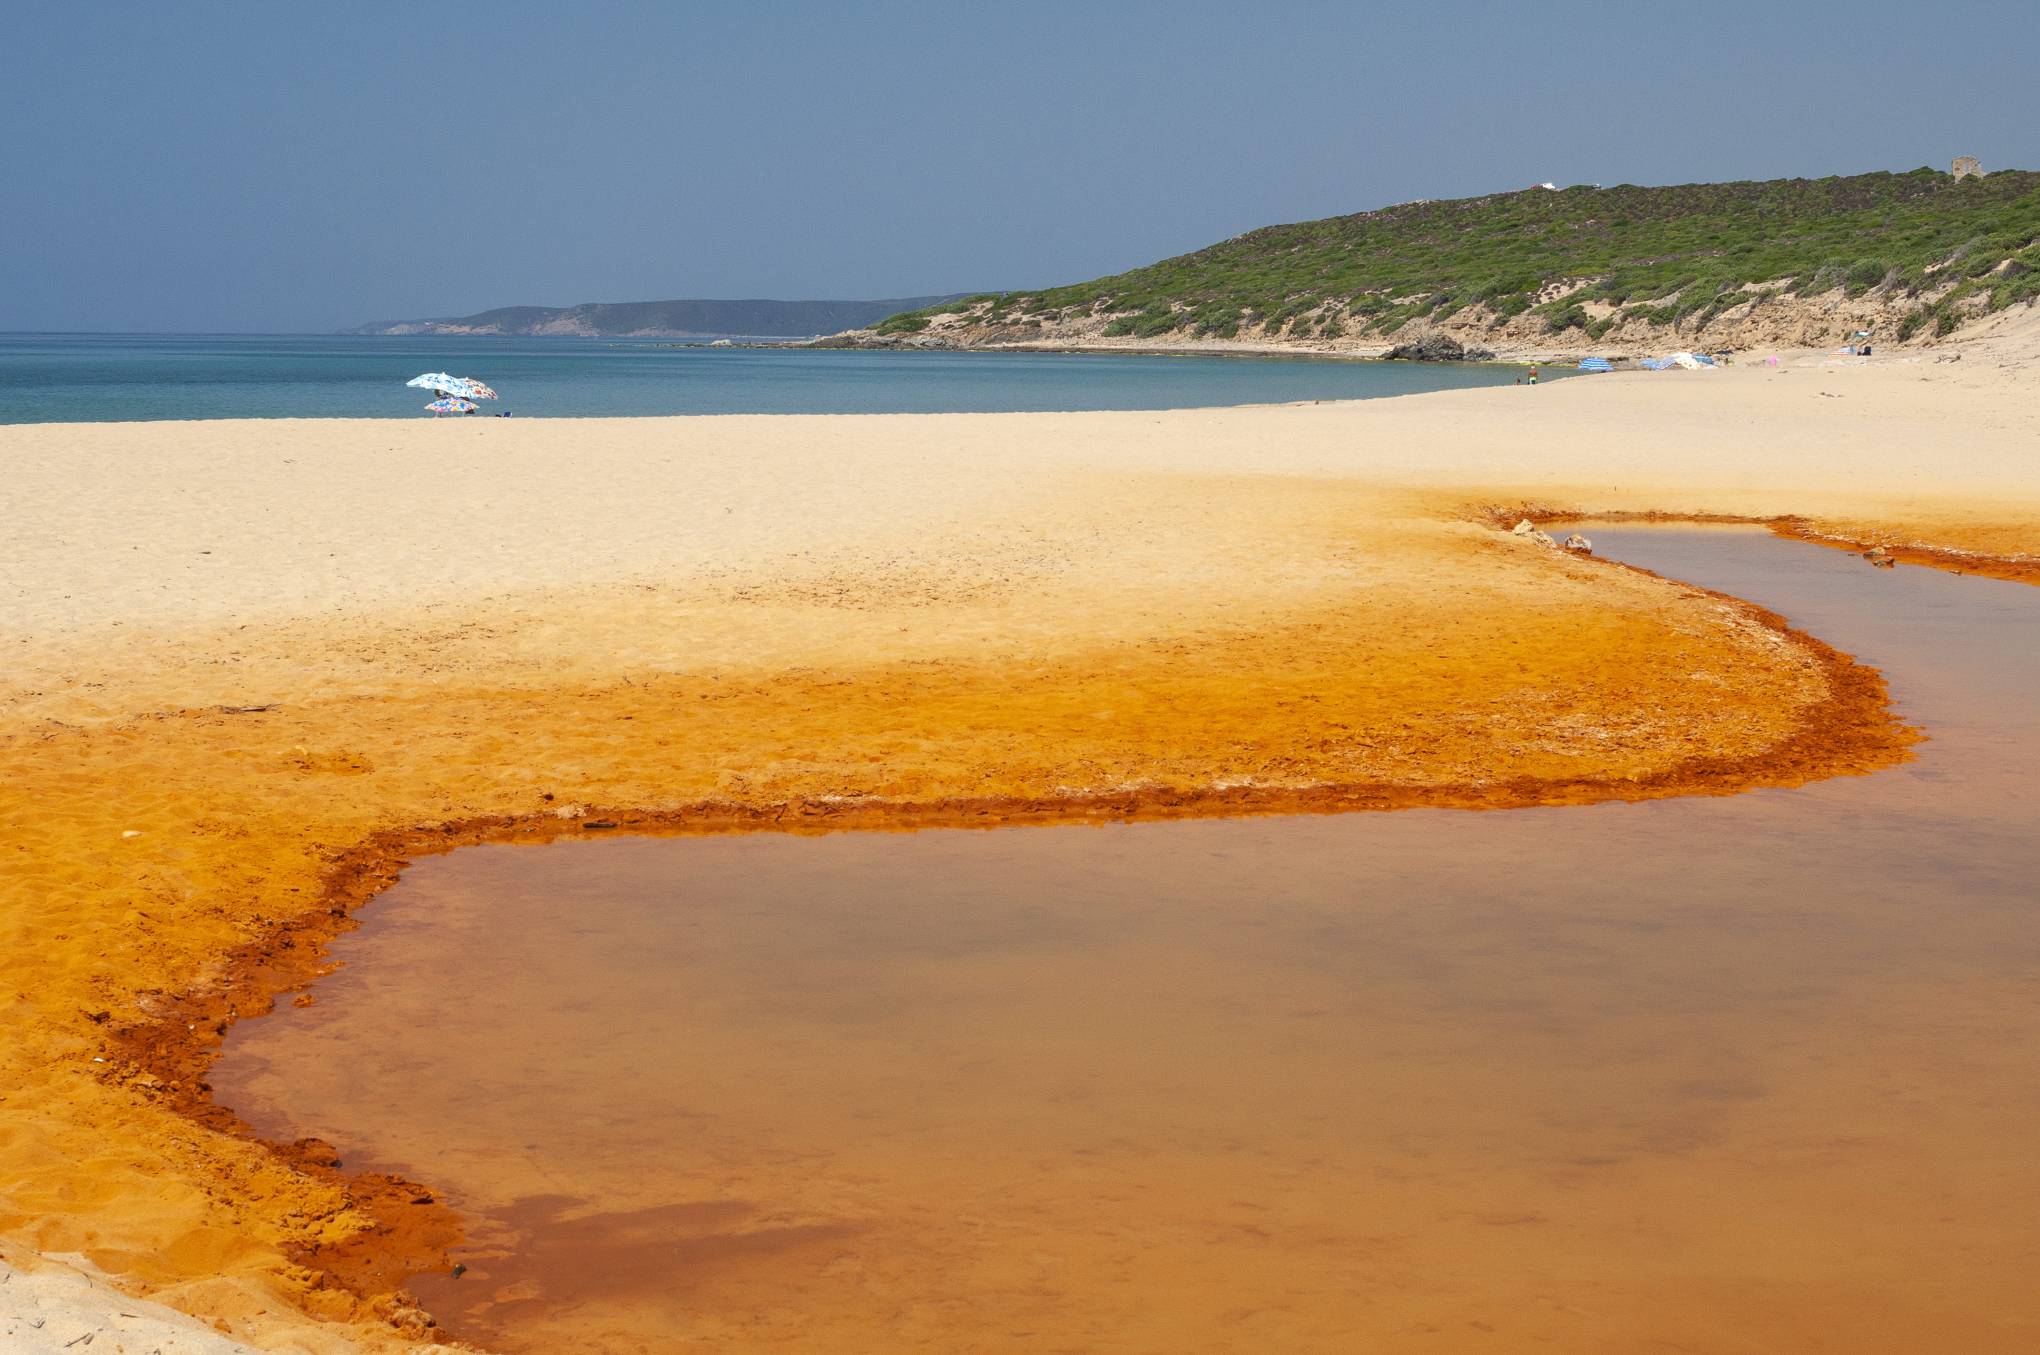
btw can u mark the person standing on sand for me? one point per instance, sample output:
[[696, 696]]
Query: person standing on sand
[[1533, 373]]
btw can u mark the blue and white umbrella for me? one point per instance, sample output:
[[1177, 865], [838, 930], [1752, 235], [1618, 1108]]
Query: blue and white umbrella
[[465, 387]]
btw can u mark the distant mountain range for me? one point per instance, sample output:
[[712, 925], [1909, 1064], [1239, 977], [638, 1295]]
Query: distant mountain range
[[666, 319]]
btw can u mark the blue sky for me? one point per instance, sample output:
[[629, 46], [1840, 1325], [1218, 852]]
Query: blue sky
[[299, 167]]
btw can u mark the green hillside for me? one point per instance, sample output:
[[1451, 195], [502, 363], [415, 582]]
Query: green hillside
[[1663, 255]]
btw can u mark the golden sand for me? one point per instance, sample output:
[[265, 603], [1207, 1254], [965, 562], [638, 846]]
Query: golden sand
[[250, 665]]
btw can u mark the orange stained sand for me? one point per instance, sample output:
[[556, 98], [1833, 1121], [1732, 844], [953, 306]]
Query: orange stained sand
[[169, 869]]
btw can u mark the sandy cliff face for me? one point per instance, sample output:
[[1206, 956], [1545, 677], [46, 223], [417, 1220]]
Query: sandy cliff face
[[1767, 321]]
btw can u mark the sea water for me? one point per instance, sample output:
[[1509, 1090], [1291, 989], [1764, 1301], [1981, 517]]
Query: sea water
[[64, 378]]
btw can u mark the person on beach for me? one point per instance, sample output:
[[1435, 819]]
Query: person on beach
[[1533, 373]]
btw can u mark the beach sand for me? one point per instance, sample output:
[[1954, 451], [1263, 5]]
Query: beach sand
[[251, 666], [54, 1306]]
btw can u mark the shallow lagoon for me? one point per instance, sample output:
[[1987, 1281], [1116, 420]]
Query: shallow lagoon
[[1740, 1074]]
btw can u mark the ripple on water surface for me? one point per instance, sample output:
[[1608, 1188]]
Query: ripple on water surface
[[1712, 1074]]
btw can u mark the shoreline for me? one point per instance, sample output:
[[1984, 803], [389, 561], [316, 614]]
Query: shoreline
[[2012, 569], [1558, 352], [1214, 348]]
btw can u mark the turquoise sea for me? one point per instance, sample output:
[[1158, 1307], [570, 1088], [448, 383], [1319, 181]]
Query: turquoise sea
[[51, 378]]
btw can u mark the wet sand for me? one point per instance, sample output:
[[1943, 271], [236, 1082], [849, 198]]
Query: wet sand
[[1721, 1075], [253, 666]]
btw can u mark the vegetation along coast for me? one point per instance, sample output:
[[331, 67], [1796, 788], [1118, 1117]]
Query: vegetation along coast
[[1555, 272]]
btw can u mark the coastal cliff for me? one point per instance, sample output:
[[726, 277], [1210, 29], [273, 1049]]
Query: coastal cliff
[[664, 319], [1912, 258]]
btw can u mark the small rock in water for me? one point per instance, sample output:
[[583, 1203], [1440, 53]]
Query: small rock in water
[[1879, 557], [1579, 544], [318, 1152]]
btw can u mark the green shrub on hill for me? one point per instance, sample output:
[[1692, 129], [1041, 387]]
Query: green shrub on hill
[[1865, 274], [1157, 319], [1569, 317]]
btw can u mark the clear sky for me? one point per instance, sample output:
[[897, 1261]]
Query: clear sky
[[280, 166]]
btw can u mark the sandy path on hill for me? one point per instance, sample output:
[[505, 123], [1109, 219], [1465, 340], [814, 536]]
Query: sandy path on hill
[[422, 622]]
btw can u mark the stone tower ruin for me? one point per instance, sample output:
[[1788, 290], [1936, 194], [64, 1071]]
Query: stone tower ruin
[[1967, 167]]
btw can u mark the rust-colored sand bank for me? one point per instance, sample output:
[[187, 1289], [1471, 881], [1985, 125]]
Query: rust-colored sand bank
[[253, 667], [1865, 539], [234, 876]]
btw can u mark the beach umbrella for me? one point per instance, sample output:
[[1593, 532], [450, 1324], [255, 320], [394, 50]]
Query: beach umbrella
[[465, 387], [452, 404]]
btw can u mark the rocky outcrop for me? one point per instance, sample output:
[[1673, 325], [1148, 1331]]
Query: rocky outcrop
[[1437, 347], [867, 338]]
